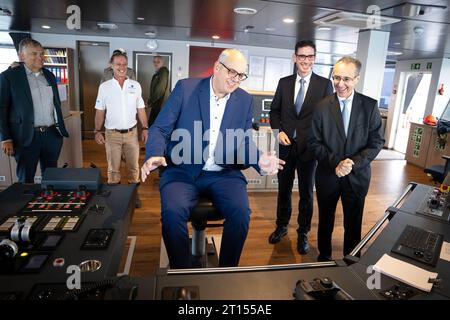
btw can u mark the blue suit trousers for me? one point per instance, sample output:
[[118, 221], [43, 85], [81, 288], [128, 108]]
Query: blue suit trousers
[[227, 192]]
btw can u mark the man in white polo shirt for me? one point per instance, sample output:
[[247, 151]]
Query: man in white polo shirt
[[118, 101]]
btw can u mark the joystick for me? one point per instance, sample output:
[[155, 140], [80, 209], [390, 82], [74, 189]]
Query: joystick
[[319, 289]]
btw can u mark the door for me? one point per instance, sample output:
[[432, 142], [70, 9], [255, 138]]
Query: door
[[143, 65], [93, 59], [413, 102]]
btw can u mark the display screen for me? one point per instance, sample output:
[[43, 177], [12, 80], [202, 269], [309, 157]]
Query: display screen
[[266, 104]]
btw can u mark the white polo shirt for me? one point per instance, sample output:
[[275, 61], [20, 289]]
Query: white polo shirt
[[121, 104]]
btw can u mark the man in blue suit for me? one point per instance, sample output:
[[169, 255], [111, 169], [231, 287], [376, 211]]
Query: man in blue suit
[[31, 121], [204, 132]]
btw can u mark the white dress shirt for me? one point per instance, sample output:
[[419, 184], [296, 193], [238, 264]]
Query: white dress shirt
[[297, 85], [216, 111], [120, 103]]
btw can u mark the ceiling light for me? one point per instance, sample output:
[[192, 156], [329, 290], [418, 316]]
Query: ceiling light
[[247, 11], [394, 53], [215, 37], [46, 27], [324, 28], [140, 18], [107, 25], [418, 31], [288, 20], [150, 33], [396, 43], [270, 29]]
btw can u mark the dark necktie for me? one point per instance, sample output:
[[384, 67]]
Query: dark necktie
[[300, 96]]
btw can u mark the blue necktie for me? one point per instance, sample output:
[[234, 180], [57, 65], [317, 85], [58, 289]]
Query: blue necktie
[[300, 96], [345, 115]]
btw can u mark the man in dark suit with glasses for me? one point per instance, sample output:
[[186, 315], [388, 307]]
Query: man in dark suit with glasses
[[346, 137], [290, 113]]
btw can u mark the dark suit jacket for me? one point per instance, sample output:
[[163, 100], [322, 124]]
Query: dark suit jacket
[[16, 106], [159, 92], [329, 144], [284, 117], [187, 110]]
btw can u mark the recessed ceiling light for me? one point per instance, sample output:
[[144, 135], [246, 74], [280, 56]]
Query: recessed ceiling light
[[323, 28], [247, 11], [215, 37], [418, 31], [270, 29], [150, 33], [396, 43], [46, 27], [107, 25], [140, 18], [288, 20]]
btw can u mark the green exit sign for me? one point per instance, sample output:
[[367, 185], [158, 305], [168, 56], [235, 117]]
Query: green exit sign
[[415, 66], [429, 64]]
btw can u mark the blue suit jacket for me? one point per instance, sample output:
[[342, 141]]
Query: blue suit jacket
[[187, 110], [16, 106]]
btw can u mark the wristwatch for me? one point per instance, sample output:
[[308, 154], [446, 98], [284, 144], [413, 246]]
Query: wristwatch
[[144, 128], [96, 131]]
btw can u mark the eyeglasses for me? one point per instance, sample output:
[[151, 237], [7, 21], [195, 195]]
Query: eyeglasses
[[233, 73], [345, 79], [119, 53], [302, 57]]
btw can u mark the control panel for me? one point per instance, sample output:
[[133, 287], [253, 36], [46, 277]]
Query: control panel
[[261, 109]]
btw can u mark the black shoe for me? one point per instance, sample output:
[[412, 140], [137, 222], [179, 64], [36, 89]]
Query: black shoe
[[138, 203], [279, 233], [322, 258], [302, 243]]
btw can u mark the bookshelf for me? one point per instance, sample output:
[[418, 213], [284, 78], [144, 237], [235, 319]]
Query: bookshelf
[[60, 62]]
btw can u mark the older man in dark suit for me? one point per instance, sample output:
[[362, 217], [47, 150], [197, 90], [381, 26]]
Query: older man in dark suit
[[290, 113], [346, 137], [31, 121]]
